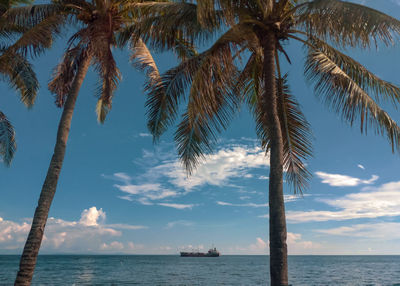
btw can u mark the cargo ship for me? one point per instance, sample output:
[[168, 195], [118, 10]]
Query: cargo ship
[[212, 252]]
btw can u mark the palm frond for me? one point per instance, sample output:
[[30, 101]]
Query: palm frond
[[30, 16], [184, 49], [297, 137], [347, 98], [65, 72], [40, 37], [143, 60], [372, 84], [346, 23], [110, 76], [296, 132], [212, 104], [20, 75], [162, 23], [8, 145], [164, 97]]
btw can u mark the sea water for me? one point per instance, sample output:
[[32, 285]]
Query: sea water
[[224, 270]]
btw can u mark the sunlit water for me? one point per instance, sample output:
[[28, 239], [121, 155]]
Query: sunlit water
[[224, 270]]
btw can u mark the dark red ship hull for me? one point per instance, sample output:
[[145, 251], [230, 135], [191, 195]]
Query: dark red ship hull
[[198, 254]]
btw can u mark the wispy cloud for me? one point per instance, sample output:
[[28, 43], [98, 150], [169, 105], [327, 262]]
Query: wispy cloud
[[383, 201], [253, 205], [142, 135], [177, 206], [292, 198], [217, 169], [147, 191], [379, 231], [172, 224], [287, 198], [165, 177], [337, 180]]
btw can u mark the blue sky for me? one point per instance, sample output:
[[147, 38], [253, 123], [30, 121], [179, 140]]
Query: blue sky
[[119, 193]]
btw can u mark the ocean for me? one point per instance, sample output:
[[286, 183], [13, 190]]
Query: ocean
[[224, 270]]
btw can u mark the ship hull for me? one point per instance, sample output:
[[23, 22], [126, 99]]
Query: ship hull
[[198, 254]]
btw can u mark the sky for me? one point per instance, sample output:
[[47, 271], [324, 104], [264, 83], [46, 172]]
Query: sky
[[119, 193]]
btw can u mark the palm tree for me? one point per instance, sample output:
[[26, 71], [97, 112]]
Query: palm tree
[[102, 26], [256, 33], [22, 31]]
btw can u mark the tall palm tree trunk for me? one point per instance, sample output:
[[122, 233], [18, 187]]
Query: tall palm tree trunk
[[32, 245], [277, 220]]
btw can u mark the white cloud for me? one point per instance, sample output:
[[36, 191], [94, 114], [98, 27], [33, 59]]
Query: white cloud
[[113, 246], [119, 247], [123, 177], [88, 235], [126, 226], [253, 205], [383, 201], [296, 245], [189, 247], [178, 223], [292, 198], [380, 231], [287, 198], [361, 166], [263, 178], [145, 191], [142, 135], [216, 169], [12, 232], [259, 246], [177, 206], [337, 180], [165, 178], [126, 198], [90, 217]]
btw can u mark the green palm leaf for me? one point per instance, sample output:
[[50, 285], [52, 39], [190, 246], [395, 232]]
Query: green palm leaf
[[212, 104], [40, 37], [164, 97], [173, 20], [346, 23], [8, 145], [347, 98], [20, 75], [297, 138], [382, 91]]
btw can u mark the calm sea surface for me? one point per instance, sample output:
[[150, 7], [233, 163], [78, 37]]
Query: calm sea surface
[[224, 270]]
